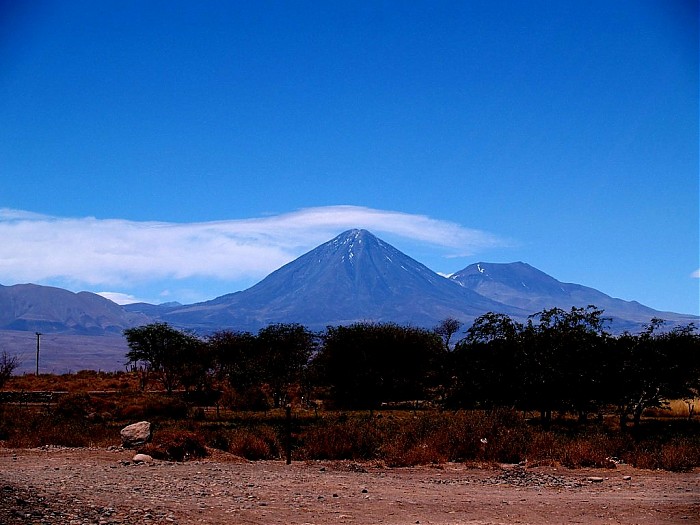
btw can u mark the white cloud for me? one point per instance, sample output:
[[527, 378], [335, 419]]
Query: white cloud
[[696, 274], [120, 298], [116, 252]]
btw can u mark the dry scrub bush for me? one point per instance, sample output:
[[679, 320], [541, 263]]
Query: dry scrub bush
[[253, 443], [544, 448], [262, 443], [253, 398], [73, 406], [593, 448], [586, 451], [81, 381], [429, 438], [411, 445], [26, 427], [153, 407], [175, 444], [677, 408], [500, 435], [425, 438], [679, 455], [645, 455], [342, 439]]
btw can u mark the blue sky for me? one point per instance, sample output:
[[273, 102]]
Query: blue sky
[[182, 150]]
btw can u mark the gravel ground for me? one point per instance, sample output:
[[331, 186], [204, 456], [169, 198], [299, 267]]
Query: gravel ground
[[91, 486]]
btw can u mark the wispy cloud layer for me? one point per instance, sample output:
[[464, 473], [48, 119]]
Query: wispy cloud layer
[[121, 298], [111, 252]]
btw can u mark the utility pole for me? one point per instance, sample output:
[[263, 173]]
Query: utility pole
[[38, 335]]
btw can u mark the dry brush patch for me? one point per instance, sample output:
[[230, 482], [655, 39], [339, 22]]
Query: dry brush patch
[[81, 381], [676, 408], [394, 437], [176, 444]]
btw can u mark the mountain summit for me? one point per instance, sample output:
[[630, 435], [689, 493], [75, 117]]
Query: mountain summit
[[521, 285], [353, 277]]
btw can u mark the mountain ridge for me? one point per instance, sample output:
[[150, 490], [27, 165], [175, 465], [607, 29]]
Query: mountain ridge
[[525, 286], [32, 307], [353, 277]]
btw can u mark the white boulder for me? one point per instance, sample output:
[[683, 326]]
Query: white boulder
[[142, 458], [136, 434]]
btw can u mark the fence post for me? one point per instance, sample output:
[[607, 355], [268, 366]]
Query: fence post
[[288, 441]]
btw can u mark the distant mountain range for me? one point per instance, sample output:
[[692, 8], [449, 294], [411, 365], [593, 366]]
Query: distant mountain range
[[34, 308], [522, 286], [353, 277], [78, 331]]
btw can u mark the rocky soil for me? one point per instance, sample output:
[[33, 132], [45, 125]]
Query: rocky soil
[[90, 486]]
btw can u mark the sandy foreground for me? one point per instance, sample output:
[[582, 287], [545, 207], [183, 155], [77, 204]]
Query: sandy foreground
[[81, 486]]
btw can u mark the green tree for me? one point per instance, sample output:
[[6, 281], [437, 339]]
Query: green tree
[[365, 364], [685, 342], [654, 367], [199, 364], [562, 360], [162, 350], [284, 351], [487, 363], [236, 358], [446, 329]]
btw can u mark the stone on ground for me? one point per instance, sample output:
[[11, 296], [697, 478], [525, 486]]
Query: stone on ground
[[136, 434]]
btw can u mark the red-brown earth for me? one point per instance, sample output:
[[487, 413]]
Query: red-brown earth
[[103, 486]]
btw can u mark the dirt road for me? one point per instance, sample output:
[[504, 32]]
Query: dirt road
[[86, 486]]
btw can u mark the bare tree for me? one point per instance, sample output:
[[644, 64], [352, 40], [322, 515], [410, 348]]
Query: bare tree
[[8, 364], [446, 329]]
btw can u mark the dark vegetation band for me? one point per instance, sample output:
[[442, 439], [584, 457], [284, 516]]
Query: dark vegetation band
[[399, 395], [562, 361]]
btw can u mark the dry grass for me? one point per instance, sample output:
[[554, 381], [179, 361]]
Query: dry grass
[[32, 426], [591, 450], [404, 439], [176, 444], [83, 381], [398, 440], [667, 439], [151, 406], [677, 408]]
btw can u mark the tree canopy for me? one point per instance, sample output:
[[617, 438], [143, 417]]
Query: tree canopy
[[559, 361]]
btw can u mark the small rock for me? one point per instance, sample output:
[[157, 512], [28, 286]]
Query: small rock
[[142, 458], [627, 478], [594, 479]]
